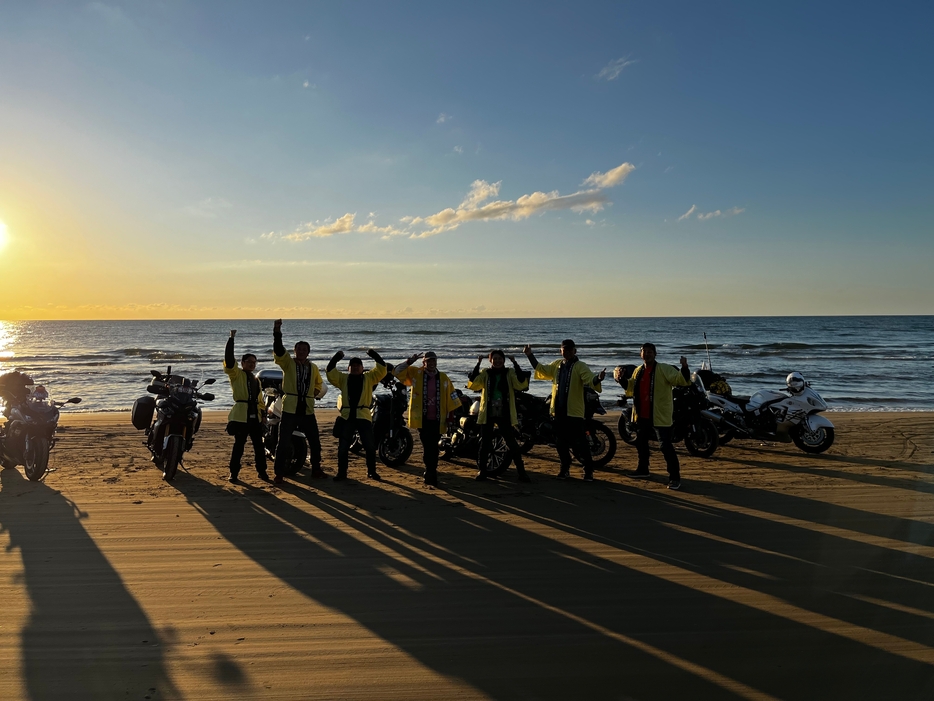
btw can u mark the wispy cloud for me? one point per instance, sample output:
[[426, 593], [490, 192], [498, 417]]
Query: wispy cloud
[[612, 70], [611, 177], [458, 149], [208, 208], [479, 204], [703, 216], [442, 118], [312, 230], [688, 213]]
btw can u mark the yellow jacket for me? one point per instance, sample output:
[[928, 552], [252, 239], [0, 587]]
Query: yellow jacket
[[664, 378], [241, 394], [481, 383], [581, 377], [448, 399], [370, 379], [289, 386]]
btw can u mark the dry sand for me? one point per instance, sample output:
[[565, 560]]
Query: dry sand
[[772, 574]]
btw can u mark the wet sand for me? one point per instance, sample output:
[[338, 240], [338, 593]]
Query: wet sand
[[772, 575]]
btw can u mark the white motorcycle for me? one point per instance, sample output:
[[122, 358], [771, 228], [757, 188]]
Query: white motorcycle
[[791, 414]]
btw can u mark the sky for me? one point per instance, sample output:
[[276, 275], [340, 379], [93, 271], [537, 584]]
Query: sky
[[465, 159]]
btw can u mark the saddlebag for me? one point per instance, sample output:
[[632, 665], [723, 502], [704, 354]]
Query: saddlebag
[[143, 409]]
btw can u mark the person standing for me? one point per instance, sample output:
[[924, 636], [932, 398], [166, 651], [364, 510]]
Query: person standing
[[356, 388], [301, 384], [497, 385], [432, 399], [569, 377], [652, 408], [247, 415]]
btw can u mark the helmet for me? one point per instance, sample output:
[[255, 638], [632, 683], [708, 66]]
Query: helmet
[[795, 382]]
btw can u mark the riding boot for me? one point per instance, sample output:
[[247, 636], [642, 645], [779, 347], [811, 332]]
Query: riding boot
[[521, 475]]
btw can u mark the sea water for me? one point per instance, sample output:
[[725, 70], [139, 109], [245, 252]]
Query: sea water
[[864, 363]]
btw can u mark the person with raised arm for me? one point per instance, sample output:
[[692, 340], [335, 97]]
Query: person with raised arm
[[356, 388], [247, 415], [498, 385], [652, 410], [569, 377], [432, 399], [301, 384]]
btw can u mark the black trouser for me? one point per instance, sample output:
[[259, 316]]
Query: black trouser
[[430, 434], [254, 430], [644, 431], [307, 424], [508, 434], [365, 429], [570, 431]]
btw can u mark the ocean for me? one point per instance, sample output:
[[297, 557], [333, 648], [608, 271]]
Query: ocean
[[865, 363]]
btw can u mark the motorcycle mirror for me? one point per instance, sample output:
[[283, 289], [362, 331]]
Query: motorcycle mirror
[[154, 373], [210, 381], [208, 397], [73, 400]]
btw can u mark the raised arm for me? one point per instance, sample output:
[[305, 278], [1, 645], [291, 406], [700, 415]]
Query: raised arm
[[531, 356], [335, 359], [277, 346], [230, 360], [523, 375], [472, 375], [376, 356]]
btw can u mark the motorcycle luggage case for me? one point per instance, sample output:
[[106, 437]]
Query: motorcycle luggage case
[[270, 378], [143, 409]]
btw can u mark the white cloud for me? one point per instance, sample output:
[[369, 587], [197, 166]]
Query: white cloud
[[476, 206], [610, 178], [208, 208], [442, 118], [344, 225], [612, 70], [458, 149], [305, 84], [728, 213], [688, 213]]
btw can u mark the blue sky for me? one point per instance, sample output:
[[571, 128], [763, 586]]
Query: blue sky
[[240, 149]]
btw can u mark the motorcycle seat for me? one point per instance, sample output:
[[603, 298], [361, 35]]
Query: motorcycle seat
[[740, 399]]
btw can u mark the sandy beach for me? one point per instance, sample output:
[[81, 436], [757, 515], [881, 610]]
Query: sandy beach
[[772, 575]]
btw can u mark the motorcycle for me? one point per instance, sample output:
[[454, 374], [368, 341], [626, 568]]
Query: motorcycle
[[273, 397], [177, 418], [28, 436], [463, 439], [689, 423], [392, 437], [785, 415], [536, 426]]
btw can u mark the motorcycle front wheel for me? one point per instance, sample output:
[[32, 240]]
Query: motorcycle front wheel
[[171, 456], [701, 439], [36, 458], [499, 458], [525, 436], [629, 437], [816, 441], [602, 444], [299, 452], [395, 450]]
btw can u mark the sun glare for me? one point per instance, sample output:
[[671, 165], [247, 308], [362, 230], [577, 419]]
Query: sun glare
[[3, 236]]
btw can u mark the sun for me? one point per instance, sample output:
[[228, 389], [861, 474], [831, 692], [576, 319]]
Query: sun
[[3, 234]]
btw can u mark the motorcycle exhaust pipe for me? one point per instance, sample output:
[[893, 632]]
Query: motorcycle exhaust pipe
[[718, 419]]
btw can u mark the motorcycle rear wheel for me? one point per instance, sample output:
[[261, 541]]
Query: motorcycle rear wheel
[[171, 456], [602, 444], [499, 458], [36, 458], [525, 436], [813, 441], [299, 453], [702, 442], [629, 437], [395, 450]]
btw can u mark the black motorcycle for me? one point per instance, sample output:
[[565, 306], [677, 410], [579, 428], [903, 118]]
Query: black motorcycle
[[688, 424], [463, 439], [392, 437], [273, 396], [28, 436], [536, 426], [177, 418]]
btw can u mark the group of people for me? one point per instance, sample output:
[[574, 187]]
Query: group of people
[[433, 399]]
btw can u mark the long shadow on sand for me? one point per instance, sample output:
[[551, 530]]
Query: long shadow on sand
[[559, 593], [87, 637]]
